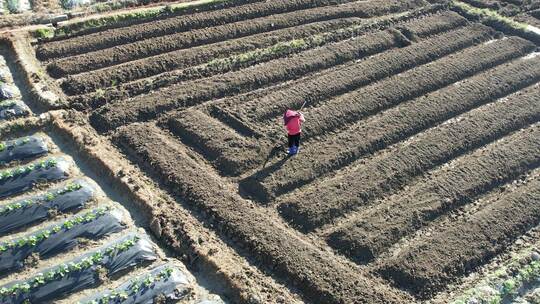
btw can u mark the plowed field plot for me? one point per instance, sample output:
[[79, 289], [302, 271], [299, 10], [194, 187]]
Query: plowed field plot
[[419, 125], [63, 238]]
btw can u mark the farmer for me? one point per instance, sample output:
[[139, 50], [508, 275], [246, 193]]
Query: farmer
[[293, 124]]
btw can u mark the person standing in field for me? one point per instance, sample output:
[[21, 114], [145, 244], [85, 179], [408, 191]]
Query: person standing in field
[[293, 124]]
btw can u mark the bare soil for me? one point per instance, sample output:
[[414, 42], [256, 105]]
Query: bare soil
[[412, 113]]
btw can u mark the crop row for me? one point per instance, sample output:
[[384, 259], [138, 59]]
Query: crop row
[[447, 189], [22, 148], [230, 151], [358, 74], [109, 84], [190, 93], [12, 109], [60, 237], [146, 48], [268, 49], [111, 76], [365, 238], [109, 117], [340, 149], [81, 273], [318, 275], [197, 55], [404, 121], [350, 107], [234, 154], [230, 110], [20, 213], [22, 178], [87, 82], [454, 250], [513, 275], [152, 29], [165, 280]]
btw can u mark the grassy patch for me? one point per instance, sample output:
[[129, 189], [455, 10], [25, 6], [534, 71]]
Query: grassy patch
[[497, 21], [285, 48], [488, 15], [259, 55], [43, 33], [504, 284]]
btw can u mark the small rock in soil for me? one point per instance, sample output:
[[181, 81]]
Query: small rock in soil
[[102, 274], [32, 260], [160, 299]]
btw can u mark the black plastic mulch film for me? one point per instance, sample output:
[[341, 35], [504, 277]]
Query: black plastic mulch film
[[81, 273], [9, 91], [22, 148], [16, 180], [72, 196], [12, 109], [59, 237], [166, 280]]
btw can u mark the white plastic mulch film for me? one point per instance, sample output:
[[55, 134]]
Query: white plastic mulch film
[[71, 4], [16, 6]]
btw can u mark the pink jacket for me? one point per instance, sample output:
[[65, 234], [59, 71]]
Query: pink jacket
[[293, 122]]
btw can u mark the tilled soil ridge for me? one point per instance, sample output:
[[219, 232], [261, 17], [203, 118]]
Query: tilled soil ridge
[[317, 274]]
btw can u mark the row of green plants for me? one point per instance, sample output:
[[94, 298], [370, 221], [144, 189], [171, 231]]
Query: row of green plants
[[7, 104], [134, 287], [246, 59], [173, 9], [50, 196], [290, 47], [488, 14], [277, 50], [503, 285], [16, 143], [33, 240], [13, 173], [61, 271], [497, 21], [259, 55], [43, 33], [285, 48]]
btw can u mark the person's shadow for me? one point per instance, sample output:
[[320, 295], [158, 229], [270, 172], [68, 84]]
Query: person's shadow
[[249, 186], [277, 150]]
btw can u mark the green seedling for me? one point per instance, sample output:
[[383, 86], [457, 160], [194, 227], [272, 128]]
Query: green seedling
[[33, 240], [27, 169], [489, 15], [505, 282], [48, 197], [64, 269], [43, 33], [7, 104], [134, 287]]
